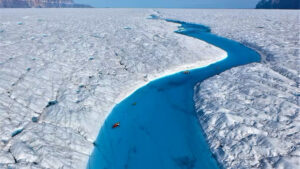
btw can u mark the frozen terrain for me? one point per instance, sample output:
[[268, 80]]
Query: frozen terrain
[[63, 70], [157, 124], [250, 114]]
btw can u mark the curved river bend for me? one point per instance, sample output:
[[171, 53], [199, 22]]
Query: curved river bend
[[159, 128]]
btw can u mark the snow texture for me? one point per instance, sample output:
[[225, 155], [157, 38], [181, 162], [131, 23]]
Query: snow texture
[[250, 114], [63, 70]]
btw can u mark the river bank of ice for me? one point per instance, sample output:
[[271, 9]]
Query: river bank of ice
[[63, 70], [157, 124], [250, 114], [89, 59]]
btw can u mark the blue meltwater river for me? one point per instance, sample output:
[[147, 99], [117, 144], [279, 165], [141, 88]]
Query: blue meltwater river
[[158, 127]]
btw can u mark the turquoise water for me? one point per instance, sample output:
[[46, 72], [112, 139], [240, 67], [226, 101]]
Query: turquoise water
[[158, 124]]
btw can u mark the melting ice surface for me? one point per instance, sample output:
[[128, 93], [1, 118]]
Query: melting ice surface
[[158, 124]]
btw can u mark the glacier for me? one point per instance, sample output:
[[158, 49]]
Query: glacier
[[63, 70], [250, 114], [157, 126]]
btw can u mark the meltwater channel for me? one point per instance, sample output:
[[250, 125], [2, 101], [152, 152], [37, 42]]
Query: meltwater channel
[[158, 127]]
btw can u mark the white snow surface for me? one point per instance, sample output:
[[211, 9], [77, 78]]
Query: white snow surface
[[250, 114], [63, 70]]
